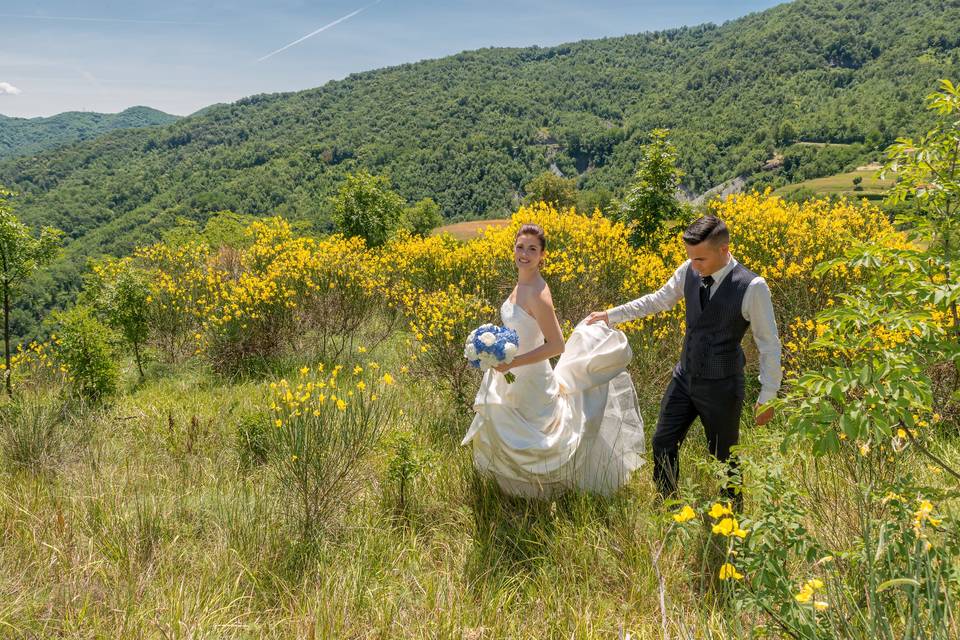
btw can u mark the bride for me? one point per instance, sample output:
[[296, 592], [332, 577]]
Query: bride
[[576, 426]]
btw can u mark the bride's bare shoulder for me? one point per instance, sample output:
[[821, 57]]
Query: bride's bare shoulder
[[541, 296]]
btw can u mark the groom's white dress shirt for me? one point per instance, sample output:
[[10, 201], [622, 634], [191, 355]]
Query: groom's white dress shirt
[[757, 309]]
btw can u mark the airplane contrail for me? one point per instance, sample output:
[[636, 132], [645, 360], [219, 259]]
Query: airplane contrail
[[313, 33], [84, 19]]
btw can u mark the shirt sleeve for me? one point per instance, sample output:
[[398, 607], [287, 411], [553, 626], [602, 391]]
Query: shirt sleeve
[[758, 311], [663, 300]]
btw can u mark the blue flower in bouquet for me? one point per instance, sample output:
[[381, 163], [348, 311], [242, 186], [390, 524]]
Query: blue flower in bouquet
[[489, 346]]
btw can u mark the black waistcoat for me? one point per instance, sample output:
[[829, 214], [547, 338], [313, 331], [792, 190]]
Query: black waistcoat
[[711, 345]]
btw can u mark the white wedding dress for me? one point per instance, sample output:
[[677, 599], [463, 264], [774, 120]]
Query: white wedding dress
[[576, 426]]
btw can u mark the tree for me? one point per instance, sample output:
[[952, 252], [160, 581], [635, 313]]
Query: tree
[[786, 133], [84, 347], [928, 172], [552, 189], [651, 201], [898, 327], [589, 201], [20, 254], [367, 207], [227, 229], [422, 217], [119, 293]]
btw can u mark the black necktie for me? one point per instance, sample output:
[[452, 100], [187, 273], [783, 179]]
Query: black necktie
[[705, 285]]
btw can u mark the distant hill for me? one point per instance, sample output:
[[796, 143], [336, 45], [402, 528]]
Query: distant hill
[[805, 89], [24, 136]]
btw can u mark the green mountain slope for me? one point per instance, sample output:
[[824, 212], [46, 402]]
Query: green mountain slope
[[24, 136], [469, 130]]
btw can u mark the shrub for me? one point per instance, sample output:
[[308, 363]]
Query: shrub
[[84, 348], [422, 217], [324, 425], [119, 291], [253, 440], [407, 463], [367, 208]]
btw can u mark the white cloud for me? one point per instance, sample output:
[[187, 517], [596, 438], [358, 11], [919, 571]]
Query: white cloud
[[6, 87]]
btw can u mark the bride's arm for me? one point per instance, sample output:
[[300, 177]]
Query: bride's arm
[[543, 312]]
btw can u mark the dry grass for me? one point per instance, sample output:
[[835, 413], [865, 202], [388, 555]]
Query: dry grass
[[467, 230], [153, 529]]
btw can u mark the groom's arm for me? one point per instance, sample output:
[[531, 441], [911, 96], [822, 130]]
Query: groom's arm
[[662, 300], [758, 311]]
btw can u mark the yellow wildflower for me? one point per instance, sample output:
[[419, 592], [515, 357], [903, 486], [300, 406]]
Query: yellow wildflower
[[807, 590], [729, 527], [924, 514], [718, 510], [728, 571], [685, 514]]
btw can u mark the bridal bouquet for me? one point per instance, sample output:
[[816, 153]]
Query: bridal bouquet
[[489, 345]]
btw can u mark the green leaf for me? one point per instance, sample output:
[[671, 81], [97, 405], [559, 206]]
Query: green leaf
[[836, 392], [897, 582], [850, 427]]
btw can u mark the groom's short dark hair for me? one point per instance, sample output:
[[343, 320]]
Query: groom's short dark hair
[[707, 229]]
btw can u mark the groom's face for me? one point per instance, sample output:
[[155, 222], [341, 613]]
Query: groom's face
[[708, 258]]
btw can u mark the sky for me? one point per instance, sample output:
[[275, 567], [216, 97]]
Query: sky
[[182, 55]]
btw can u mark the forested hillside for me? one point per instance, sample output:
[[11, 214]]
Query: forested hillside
[[23, 136], [469, 130]]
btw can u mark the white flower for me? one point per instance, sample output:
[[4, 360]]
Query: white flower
[[488, 338], [487, 360], [473, 334], [470, 352], [509, 351]]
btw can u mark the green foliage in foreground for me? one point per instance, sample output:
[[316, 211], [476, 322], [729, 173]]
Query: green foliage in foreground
[[20, 254], [422, 217], [156, 505]]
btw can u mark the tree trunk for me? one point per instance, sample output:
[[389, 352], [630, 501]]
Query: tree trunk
[[136, 355], [7, 373]]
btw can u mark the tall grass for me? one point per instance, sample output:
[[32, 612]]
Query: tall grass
[[175, 522]]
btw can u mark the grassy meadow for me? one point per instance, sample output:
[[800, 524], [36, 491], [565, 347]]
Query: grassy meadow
[[149, 527], [288, 465], [842, 184]]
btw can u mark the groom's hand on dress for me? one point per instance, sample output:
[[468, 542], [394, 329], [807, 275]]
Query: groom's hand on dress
[[762, 417], [598, 316]]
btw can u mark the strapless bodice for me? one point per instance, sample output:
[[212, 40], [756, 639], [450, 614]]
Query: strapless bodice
[[528, 331]]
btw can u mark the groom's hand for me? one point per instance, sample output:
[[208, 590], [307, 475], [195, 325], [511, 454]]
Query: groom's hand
[[598, 316], [762, 417]]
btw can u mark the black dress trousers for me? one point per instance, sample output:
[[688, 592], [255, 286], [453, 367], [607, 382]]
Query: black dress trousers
[[718, 404]]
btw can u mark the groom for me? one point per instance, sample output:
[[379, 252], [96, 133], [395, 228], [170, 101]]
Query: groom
[[722, 299]]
